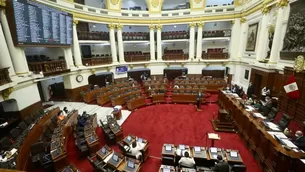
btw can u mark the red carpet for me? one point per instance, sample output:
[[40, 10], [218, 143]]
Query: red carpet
[[170, 123]]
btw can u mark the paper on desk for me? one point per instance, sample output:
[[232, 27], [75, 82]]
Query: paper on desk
[[279, 135], [235, 95], [250, 107], [108, 157], [213, 136], [303, 160], [259, 115], [288, 143], [273, 126]]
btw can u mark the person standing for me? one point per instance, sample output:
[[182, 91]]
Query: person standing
[[198, 99]]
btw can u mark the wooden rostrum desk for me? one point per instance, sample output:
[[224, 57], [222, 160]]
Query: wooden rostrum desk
[[269, 153], [136, 103]]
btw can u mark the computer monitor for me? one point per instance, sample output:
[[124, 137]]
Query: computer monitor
[[130, 164], [103, 150], [213, 150], [168, 147], [197, 149], [115, 157], [233, 154], [182, 147], [129, 138], [166, 170], [140, 140]]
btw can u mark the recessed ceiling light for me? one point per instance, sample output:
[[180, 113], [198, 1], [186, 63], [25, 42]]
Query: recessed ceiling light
[[94, 25]]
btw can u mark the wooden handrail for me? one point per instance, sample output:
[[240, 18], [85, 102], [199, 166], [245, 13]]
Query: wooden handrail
[[4, 76], [175, 57], [137, 58], [215, 55], [97, 61], [48, 66]]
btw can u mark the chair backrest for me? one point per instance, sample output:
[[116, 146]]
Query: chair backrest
[[28, 120], [272, 114], [284, 122], [239, 168], [38, 147], [91, 162], [23, 125], [15, 133], [5, 143]]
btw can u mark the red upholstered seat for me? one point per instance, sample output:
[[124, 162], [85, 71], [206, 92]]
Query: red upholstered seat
[[278, 117]]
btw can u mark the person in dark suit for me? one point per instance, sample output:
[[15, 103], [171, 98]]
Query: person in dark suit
[[250, 90], [198, 99], [300, 140], [221, 166]]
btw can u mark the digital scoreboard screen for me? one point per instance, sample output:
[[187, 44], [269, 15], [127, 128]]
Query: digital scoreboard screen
[[32, 23]]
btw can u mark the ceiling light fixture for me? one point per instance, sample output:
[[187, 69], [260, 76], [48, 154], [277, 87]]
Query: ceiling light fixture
[[175, 26]]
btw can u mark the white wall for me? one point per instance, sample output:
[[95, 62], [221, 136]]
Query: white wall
[[210, 26], [53, 53], [218, 2], [45, 84], [71, 83], [101, 49], [26, 96], [10, 105]]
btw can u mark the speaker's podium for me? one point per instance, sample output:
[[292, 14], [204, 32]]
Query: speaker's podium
[[223, 122]]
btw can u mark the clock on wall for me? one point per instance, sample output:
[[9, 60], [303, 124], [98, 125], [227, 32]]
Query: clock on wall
[[79, 78]]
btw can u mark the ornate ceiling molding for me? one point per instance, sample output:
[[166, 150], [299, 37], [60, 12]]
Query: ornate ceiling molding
[[2, 3]]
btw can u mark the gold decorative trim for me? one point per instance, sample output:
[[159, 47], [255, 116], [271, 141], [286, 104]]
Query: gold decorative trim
[[207, 63], [200, 25], [119, 26], [111, 26], [182, 64], [151, 27], [282, 3], [299, 64], [145, 65], [233, 22], [266, 10], [22, 73], [108, 69], [168, 64], [272, 62], [159, 27], [114, 2], [75, 22], [6, 93], [154, 3], [197, 2], [131, 66], [2, 3], [93, 71], [243, 20], [192, 25], [224, 63]]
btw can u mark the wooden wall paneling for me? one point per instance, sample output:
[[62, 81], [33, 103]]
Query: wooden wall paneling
[[74, 94], [30, 109], [300, 114], [291, 108]]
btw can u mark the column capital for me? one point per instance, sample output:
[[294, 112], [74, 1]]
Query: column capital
[[75, 22], [111, 26], [233, 22], [266, 10], [243, 20], [282, 3], [192, 25], [200, 25], [159, 27], [119, 27], [2, 3], [151, 27]]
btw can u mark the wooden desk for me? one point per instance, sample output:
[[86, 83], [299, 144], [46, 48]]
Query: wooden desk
[[93, 143], [231, 159], [271, 155], [120, 100], [32, 137], [202, 154], [172, 168], [136, 103], [102, 155], [116, 164], [116, 130], [213, 155], [158, 98], [124, 168], [70, 167], [171, 152], [90, 95], [117, 115]]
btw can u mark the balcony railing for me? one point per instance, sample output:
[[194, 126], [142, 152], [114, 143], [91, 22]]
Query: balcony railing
[[137, 58], [49, 67], [97, 61], [4, 76], [175, 57], [83, 35], [215, 56], [135, 36], [216, 33]]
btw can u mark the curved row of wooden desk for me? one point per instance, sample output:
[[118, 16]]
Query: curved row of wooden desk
[[32, 137], [270, 154]]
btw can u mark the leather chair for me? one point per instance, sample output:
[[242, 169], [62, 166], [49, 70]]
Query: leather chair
[[28, 120], [239, 168], [272, 114], [5, 143], [96, 164], [168, 160], [15, 133], [284, 122], [37, 152], [22, 125], [126, 153]]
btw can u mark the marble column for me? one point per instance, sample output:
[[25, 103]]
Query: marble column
[[120, 43], [263, 36], [113, 43], [242, 38], [152, 42], [5, 57], [199, 41], [235, 38], [17, 54], [159, 43], [76, 47], [192, 41], [68, 57], [277, 38]]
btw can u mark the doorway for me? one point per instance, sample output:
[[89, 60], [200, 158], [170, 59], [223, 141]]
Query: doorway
[[257, 84]]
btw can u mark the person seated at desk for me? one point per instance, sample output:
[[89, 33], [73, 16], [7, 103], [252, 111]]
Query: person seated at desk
[[66, 110], [265, 105], [136, 149], [61, 115], [265, 92], [187, 161], [299, 140], [82, 121], [221, 165], [176, 87]]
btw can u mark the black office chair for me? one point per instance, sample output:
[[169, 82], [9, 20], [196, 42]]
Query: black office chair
[[37, 152], [28, 120], [5, 143], [15, 133], [239, 168], [272, 114], [284, 122], [168, 160], [22, 125]]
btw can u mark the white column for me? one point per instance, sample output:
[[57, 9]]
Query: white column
[[152, 42], [68, 57], [112, 43], [192, 41], [17, 54], [263, 38], [277, 38], [5, 57], [242, 38], [159, 43], [76, 48], [120, 43], [235, 38], [199, 41]]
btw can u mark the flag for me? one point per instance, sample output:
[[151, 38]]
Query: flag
[[291, 88]]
